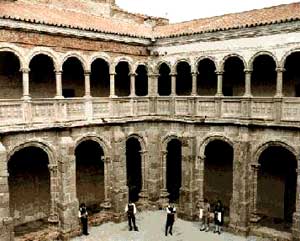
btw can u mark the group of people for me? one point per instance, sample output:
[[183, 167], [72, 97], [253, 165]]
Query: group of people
[[205, 216]]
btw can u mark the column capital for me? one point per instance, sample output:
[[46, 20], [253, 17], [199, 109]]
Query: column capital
[[173, 73], [219, 72], [248, 71], [112, 73], [280, 69], [58, 72], [194, 72], [153, 75], [25, 70], [87, 72], [132, 74]]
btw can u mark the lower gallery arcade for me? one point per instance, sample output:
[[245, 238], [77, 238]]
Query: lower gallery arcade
[[253, 172]]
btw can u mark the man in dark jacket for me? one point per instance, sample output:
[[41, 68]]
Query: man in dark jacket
[[218, 217], [130, 209], [83, 215], [171, 210]]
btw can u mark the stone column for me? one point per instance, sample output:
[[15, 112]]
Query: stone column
[[112, 92], [220, 83], [296, 215], [67, 202], [58, 75], [173, 84], [53, 217], [87, 84], [254, 215], [163, 197], [106, 204], [6, 221], [240, 203], [248, 73], [199, 179], [194, 83], [132, 85], [279, 82], [143, 195], [25, 79], [153, 85]]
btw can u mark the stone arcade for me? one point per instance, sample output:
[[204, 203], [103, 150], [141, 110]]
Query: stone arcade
[[98, 105]]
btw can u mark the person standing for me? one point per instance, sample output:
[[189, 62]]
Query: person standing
[[83, 215], [171, 210], [204, 215], [218, 216], [130, 209]]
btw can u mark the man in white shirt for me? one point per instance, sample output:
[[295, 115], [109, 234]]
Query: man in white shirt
[[171, 210], [83, 215], [130, 209]]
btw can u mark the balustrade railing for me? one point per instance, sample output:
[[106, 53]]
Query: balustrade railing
[[58, 111]]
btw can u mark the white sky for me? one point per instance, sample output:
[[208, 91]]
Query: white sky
[[182, 10]]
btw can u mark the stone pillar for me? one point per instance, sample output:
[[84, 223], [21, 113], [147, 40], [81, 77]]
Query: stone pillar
[[106, 204], [112, 92], [132, 85], [163, 196], [67, 202], [87, 84], [254, 215], [194, 83], [248, 73], [173, 84], [199, 182], [153, 85], [240, 203], [296, 215], [119, 179], [54, 190], [188, 191], [143, 195], [279, 82], [220, 83], [58, 75], [25, 79], [6, 221]]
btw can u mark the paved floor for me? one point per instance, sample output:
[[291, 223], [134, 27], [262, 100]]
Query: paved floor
[[151, 228]]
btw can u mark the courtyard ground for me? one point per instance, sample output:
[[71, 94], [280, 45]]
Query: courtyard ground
[[151, 228]]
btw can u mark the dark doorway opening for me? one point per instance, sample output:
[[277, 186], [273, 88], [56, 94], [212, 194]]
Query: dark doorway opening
[[134, 168], [174, 158]]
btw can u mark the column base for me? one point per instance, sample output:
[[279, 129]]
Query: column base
[[26, 97], [163, 198], [59, 97], [7, 229]]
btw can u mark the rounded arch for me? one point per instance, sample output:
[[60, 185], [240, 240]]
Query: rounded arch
[[91, 137], [140, 139], [101, 55], [17, 53], [124, 59], [168, 138], [287, 54], [178, 61], [75, 55], [268, 53], [222, 63], [211, 58], [158, 65], [211, 138], [46, 147], [44, 51], [136, 65], [268, 144]]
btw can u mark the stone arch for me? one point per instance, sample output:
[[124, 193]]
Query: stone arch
[[140, 139], [137, 64], [45, 51], [286, 55], [212, 58], [17, 52], [102, 56], [168, 138], [103, 143], [222, 62], [268, 144], [46, 147], [174, 67], [75, 55], [268, 53], [211, 138], [157, 66], [125, 59]]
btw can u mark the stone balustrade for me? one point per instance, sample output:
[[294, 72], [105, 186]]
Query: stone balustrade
[[60, 112]]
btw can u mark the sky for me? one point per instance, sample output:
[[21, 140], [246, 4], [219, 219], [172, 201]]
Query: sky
[[184, 10]]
